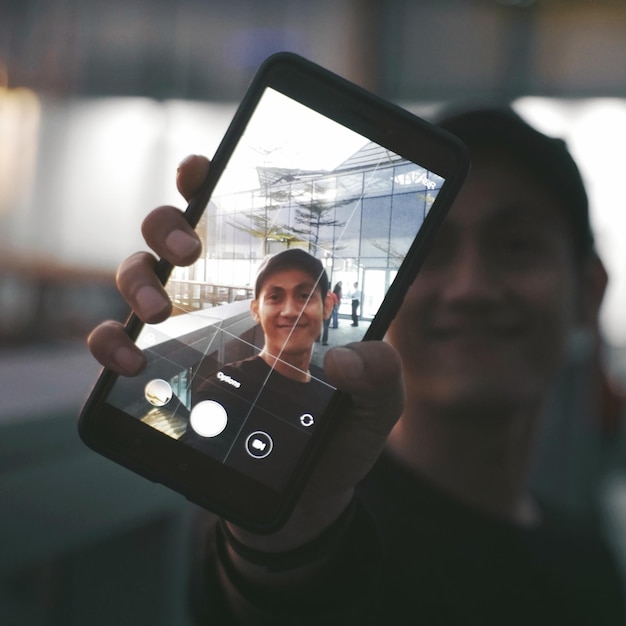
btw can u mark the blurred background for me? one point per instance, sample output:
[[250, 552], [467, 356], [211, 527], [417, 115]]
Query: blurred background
[[99, 101]]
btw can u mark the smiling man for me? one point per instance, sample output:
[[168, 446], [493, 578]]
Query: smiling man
[[421, 511], [290, 304], [278, 386]]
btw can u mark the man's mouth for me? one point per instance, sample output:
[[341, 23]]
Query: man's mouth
[[478, 334], [479, 329]]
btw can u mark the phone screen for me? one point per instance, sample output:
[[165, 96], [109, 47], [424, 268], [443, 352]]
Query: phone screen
[[237, 371]]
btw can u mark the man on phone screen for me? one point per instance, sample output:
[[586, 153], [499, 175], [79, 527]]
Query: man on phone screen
[[280, 384]]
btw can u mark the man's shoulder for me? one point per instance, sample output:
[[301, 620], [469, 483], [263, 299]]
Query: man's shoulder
[[425, 531]]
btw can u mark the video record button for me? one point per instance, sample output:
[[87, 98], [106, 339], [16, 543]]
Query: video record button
[[259, 444]]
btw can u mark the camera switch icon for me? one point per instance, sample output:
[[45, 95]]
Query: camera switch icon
[[306, 419]]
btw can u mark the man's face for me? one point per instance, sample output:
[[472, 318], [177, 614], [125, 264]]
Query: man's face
[[290, 310], [485, 324]]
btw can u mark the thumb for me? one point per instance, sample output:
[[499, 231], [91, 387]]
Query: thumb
[[371, 372]]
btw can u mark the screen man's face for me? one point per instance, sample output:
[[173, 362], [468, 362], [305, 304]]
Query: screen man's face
[[290, 310]]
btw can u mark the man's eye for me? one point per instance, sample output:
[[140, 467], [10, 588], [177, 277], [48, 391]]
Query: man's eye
[[522, 243], [522, 250]]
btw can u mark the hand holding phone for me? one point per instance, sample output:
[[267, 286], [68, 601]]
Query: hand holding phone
[[369, 372], [338, 183]]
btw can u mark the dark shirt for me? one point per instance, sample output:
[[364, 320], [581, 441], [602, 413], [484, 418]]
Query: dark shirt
[[412, 555], [259, 399]]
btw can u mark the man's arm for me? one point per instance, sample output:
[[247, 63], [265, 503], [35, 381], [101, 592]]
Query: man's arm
[[369, 371]]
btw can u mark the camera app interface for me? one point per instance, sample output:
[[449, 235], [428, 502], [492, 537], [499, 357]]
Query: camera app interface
[[304, 233]]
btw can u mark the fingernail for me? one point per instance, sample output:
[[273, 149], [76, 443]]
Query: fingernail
[[128, 360], [181, 244], [186, 160], [150, 302]]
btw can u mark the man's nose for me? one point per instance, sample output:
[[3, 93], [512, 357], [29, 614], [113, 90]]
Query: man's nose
[[291, 307], [471, 276]]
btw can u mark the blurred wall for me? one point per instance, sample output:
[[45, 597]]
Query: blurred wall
[[404, 49]]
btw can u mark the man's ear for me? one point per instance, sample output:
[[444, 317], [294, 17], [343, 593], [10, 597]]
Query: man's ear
[[254, 309], [594, 282]]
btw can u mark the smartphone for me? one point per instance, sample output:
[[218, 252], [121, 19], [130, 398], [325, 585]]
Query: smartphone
[[318, 186]]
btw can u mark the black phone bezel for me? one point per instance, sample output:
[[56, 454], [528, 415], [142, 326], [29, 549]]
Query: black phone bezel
[[204, 481]]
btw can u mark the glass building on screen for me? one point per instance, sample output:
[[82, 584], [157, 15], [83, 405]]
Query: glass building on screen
[[360, 218]]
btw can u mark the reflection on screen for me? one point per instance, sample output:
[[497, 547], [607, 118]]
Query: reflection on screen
[[296, 180]]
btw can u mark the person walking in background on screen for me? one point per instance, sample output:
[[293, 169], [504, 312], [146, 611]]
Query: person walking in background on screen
[[338, 291], [355, 295], [332, 297]]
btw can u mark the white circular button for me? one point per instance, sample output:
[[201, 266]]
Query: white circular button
[[208, 418]]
